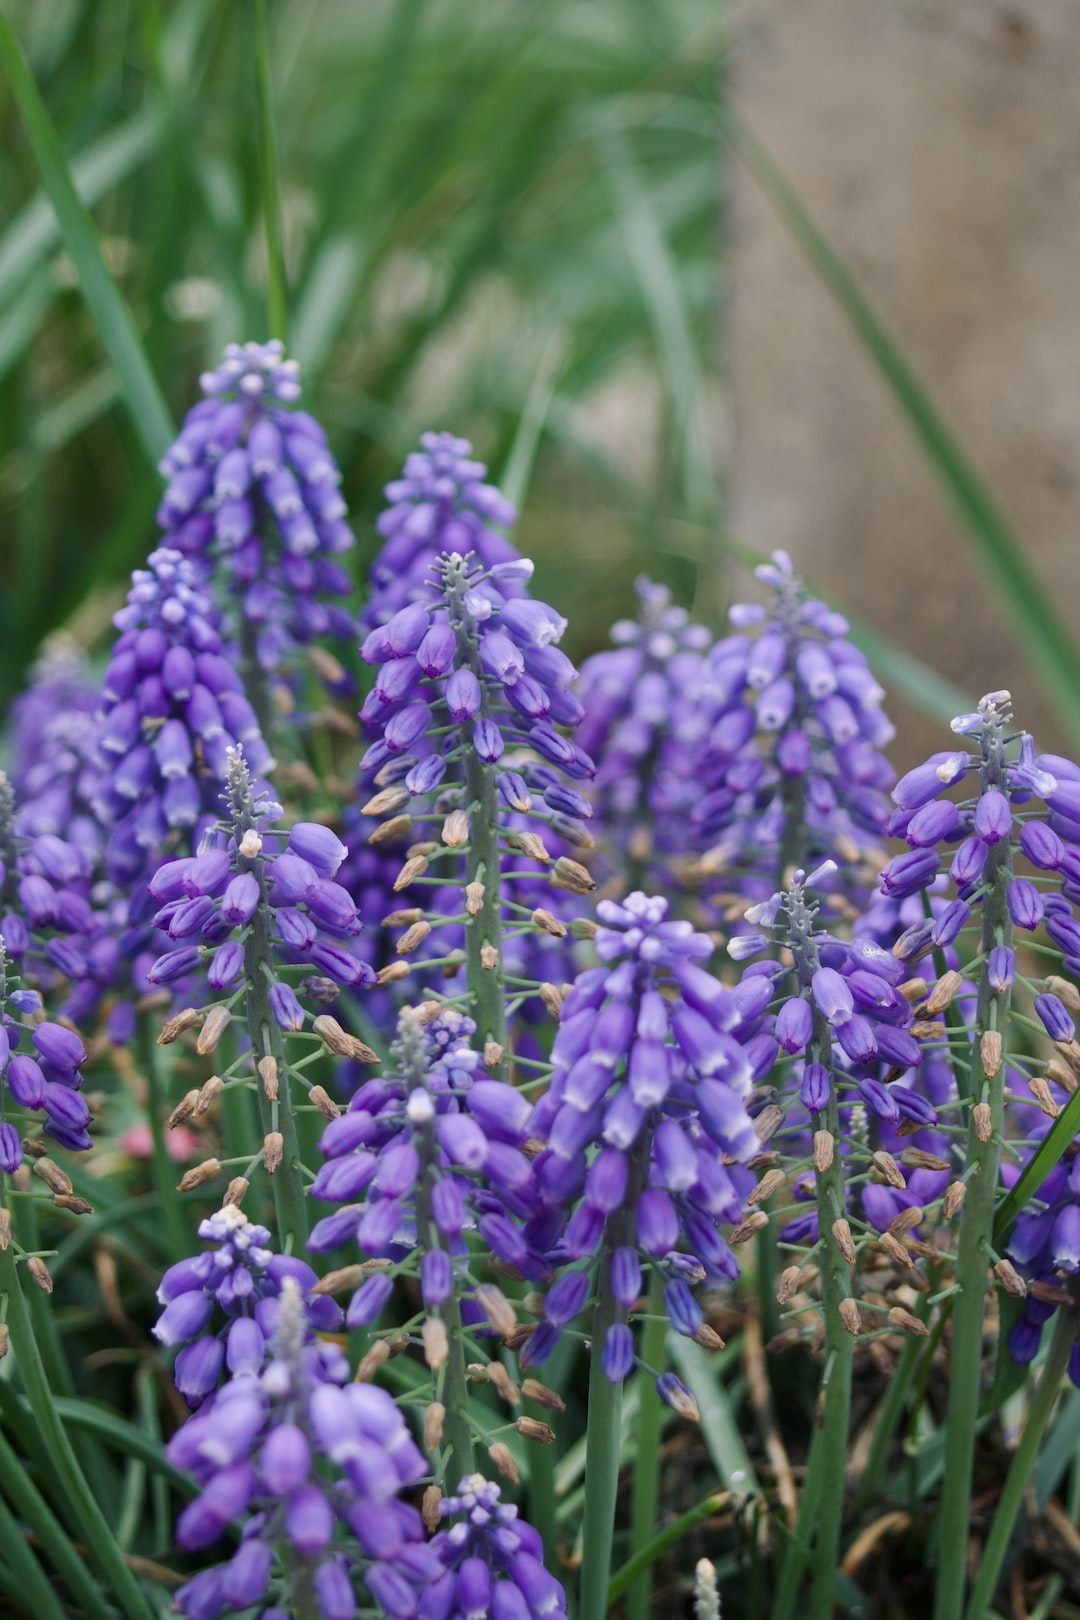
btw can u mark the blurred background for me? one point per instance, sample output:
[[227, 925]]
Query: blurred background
[[698, 280]]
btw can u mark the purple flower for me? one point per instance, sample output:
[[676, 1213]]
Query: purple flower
[[488, 1549]]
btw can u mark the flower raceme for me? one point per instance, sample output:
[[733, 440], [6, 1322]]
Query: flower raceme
[[644, 1124], [254, 488]]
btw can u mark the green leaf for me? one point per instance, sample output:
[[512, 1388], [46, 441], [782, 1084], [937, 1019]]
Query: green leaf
[[269, 179], [646, 1556], [149, 413], [1038, 1167], [1038, 624], [719, 1427]]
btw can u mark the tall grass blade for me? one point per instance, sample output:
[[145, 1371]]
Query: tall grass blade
[[270, 180]]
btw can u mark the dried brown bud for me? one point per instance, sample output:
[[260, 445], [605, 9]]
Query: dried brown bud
[[56, 1179], [455, 829], [325, 665], [851, 1316], [533, 1429], [268, 1074], [824, 1148], [551, 996], [413, 937], [568, 874], [217, 1022], [906, 1221], [436, 1343], [841, 1232], [183, 1110], [33, 1148], [548, 923], [1010, 1279], [496, 1307], [983, 1121], [429, 1509], [1061, 1074], [990, 1052], [503, 1458], [771, 1182], [913, 990], [768, 1122], [955, 1194], [746, 1229], [341, 1281], [534, 1390], [493, 1054], [402, 918], [211, 1090], [425, 846], [372, 1361], [1042, 1094], [1050, 1293], [790, 1283], [708, 1338], [530, 844], [1070, 1051], [39, 1271], [174, 1027], [391, 831], [414, 867], [498, 1375], [73, 1204], [392, 973], [273, 1151], [782, 1341], [4, 1335], [917, 1159], [340, 1042], [1065, 991], [389, 799], [474, 899], [235, 1192], [5, 1228], [910, 1324], [489, 958], [943, 992], [889, 1169], [433, 1425], [323, 1101], [199, 1175], [925, 1029]]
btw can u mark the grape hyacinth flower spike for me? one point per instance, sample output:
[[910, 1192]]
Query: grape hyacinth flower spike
[[492, 1561], [254, 487]]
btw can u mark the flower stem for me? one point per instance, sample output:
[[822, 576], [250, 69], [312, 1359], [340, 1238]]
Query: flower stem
[[103, 1550], [178, 1229], [602, 1446], [1020, 1469], [647, 1466], [976, 1225]]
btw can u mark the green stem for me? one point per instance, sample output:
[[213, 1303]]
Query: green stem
[[269, 178], [647, 1466], [976, 1225], [601, 1447], [799, 1549], [1020, 1469], [290, 1198], [892, 1409], [103, 1550]]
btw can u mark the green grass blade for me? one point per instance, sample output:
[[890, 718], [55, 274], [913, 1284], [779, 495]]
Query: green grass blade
[[35, 229], [324, 303], [30, 1586], [517, 469], [269, 177], [909, 677], [718, 1424], [1038, 1167], [149, 413], [646, 1556], [1037, 622]]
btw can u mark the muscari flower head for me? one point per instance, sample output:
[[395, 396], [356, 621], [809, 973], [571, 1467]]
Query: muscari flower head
[[438, 1129], [492, 1560], [644, 1123], [440, 504], [252, 483], [649, 710], [301, 1454], [55, 760], [793, 759]]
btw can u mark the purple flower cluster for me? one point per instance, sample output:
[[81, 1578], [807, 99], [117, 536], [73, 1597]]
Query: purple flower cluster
[[208, 900], [481, 668], [55, 759], [40, 1074], [173, 705], [648, 717], [299, 1452], [657, 1084], [492, 1561], [440, 504], [793, 760], [252, 482], [436, 1134], [241, 1280]]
